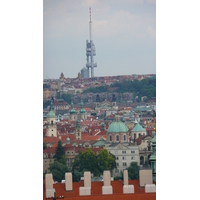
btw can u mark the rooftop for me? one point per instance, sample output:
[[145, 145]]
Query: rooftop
[[96, 191]]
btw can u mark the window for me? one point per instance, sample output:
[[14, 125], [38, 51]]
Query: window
[[117, 158], [45, 160], [51, 122], [116, 152], [124, 163], [123, 151], [123, 158], [117, 138], [132, 151], [116, 171], [134, 135], [139, 134], [124, 137], [110, 137], [117, 164], [133, 158]]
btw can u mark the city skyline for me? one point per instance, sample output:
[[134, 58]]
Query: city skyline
[[124, 34]]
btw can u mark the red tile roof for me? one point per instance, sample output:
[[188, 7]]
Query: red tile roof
[[96, 191]]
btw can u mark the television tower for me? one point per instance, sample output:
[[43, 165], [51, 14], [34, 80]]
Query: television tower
[[90, 51]]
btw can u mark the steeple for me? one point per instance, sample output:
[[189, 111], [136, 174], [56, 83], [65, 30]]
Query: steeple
[[78, 130], [153, 156], [141, 120], [82, 110], [72, 111], [51, 127], [103, 126]]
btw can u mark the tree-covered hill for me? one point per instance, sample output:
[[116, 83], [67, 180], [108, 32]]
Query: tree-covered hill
[[145, 87]]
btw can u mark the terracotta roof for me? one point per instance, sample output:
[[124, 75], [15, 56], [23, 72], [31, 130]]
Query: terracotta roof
[[50, 139], [92, 138], [96, 191]]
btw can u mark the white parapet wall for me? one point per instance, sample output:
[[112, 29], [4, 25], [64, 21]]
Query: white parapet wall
[[107, 190], [84, 191], [150, 188], [50, 193], [128, 189]]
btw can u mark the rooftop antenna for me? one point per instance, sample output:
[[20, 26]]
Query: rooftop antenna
[[90, 25]]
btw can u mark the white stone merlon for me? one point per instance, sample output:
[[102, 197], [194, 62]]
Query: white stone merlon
[[84, 191], [128, 189], [49, 181], [50, 193], [125, 177], [107, 190], [150, 188], [68, 181], [106, 178], [145, 177], [87, 179]]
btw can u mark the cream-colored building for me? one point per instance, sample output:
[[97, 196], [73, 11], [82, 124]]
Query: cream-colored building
[[124, 154], [46, 94]]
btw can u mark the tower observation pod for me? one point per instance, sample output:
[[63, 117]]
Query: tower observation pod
[[90, 52]]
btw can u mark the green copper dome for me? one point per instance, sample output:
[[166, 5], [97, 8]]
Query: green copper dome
[[51, 114], [68, 140], [138, 128], [117, 127]]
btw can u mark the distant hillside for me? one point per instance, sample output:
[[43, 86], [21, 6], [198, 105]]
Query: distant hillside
[[145, 87]]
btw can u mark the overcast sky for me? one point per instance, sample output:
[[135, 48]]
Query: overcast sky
[[124, 34]]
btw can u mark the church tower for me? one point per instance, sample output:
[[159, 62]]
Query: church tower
[[51, 128], [82, 111], [73, 115], [153, 157], [78, 130]]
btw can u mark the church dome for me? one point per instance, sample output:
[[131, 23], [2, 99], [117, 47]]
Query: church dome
[[138, 128], [117, 127], [51, 114]]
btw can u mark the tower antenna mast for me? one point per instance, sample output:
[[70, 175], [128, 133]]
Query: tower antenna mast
[[90, 26]]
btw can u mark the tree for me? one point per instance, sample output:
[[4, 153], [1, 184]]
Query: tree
[[85, 161], [58, 170], [89, 162], [60, 151], [45, 86], [46, 103], [66, 98], [105, 161], [44, 145], [133, 170]]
